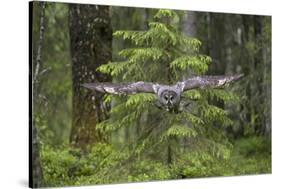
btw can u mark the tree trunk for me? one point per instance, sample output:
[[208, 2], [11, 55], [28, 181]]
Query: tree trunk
[[188, 24], [36, 172], [90, 44], [188, 27], [258, 64], [267, 76]]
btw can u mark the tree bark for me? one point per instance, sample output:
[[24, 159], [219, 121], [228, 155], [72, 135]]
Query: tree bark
[[188, 24], [90, 44], [259, 122], [188, 27], [36, 172]]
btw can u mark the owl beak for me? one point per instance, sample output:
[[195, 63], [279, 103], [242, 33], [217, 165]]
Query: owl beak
[[169, 104]]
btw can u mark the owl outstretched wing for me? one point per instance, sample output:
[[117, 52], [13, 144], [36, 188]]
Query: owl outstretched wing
[[208, 82], [122, 88]]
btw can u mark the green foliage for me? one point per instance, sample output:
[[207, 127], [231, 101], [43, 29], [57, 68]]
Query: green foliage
[[66, 166], [148, 171], [199, 138], [53, 103], [163, 54], [198, 63], [180, 131], [237, 162], [254, 146], [165, 13], [57, 166]]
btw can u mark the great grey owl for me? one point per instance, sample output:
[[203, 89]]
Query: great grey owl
[[168, 96]]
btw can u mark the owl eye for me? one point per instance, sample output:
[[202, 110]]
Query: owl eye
[[172, 98], [166, 97]]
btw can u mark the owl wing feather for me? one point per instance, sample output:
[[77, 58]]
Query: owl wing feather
[[208, 82], [122, 88]]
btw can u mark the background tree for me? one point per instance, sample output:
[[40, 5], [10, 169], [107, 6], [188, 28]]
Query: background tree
[[137, 133], [162, 54], [240, 46], [90, 41], [36, 173]]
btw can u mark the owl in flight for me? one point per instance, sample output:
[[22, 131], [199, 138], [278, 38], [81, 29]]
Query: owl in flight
[[168, 96]]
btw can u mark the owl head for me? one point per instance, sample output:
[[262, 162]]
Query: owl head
[[169, 99]]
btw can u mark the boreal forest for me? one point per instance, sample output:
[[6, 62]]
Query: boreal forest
[[84, 137]]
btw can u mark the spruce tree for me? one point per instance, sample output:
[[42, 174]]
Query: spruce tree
[[165, 55]]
